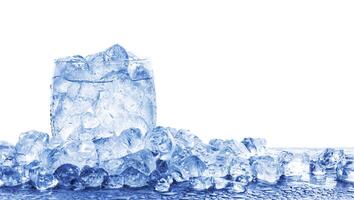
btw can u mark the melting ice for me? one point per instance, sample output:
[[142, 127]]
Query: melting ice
[[104, 135]]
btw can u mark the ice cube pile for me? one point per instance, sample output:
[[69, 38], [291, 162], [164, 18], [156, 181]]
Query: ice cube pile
[[104, 136]]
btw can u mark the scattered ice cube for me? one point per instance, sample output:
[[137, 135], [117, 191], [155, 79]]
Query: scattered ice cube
[[190, 167], [296, 165], [238, 187], [345, 171], [42, 180], [66, 174], [161, 142], [266, 169], [132, 140], [134, 178], [113, 182], [30, 146], [331, 157], [202, 183], [255, 145], [13, 176], [221, 183], [102, 95], [92, 176], [241, 171], [163, 185], [7, 154]]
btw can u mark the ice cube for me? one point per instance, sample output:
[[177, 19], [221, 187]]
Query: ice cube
[[109, 151], [238, 187], [7, 154], [66, 173], [345, 171], [190, 167], [30, 145], [163, 185], [113, 182], [102, 95], [255, 145], [13, 176], [77, 152], [41, 179], [202, 183], [132, 140], [296, 164], [134, 178], [160, 142], [266, 169], [221, 183], [241, 171], [185, 139], [331, 157], [92, 176]]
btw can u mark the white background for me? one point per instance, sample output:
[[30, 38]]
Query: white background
[[282, 70]]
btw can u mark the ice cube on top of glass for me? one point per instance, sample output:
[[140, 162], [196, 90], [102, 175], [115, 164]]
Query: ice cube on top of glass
[[101, 95]]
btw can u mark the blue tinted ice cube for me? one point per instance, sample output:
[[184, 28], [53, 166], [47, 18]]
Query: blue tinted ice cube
[[255, 145], [266, 169], [185, 139], [345, 171], [134, 178], [202, 183], [190, 167], [240, 170], [331, 157], [92, 176], [66, 173], [77, 152], [295, 164], [132, 140], [13, 176], [163, 184], [7, 154], [161, 142], [113, 182], [30, 145], [221, 183], [41, 179], [102, 95]]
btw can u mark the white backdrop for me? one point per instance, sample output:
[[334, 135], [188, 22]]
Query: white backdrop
[[282, 70]]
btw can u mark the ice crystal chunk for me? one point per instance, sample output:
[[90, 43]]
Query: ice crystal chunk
[[113, 182], [160, 142], [316, 168], [221, 183], [30, 146], [345, 171], [331, 157], [92, 176], [241, 171], [12, 176], [255, 145], [185, 139], [238, 187], [295, 165], [134, 178], [163, 185], [266, 169], [131, 139], [66, 174], [143, 161], [202, 183], [41, 179], [190, 167], [77, 152], [102, 95], [7, 154]]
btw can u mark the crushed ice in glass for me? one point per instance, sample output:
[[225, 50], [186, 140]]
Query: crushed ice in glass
[[104, 135]]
